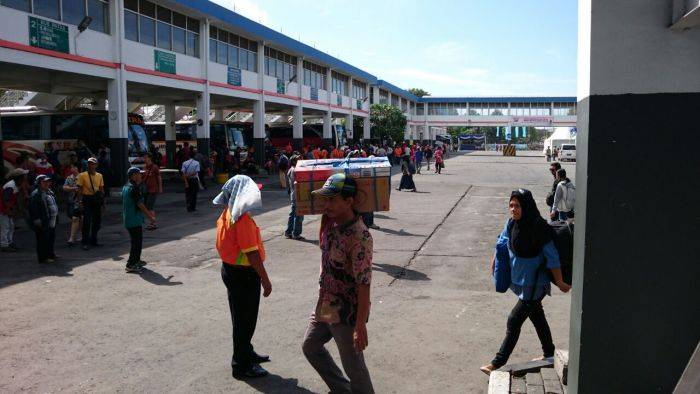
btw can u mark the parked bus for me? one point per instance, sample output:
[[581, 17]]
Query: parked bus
[[32, 130], [222, 134], [281, 136]]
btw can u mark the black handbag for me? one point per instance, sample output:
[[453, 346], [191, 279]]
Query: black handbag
[[97, 195]]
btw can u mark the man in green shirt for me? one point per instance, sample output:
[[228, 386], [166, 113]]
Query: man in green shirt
[[132, 213]]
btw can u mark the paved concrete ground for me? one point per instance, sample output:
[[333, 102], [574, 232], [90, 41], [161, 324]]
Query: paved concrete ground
[[84, 325]]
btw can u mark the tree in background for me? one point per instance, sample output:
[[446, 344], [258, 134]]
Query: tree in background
[[418, 92], [387, 123]]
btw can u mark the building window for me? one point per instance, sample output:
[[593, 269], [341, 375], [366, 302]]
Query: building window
[[359, 90], [98, 10], [153, 25], [339, 83], [22, 5], [131, 26], [314, 75], [47, 8], [383, 97], [232, 50], [73, 11], [395, 101]]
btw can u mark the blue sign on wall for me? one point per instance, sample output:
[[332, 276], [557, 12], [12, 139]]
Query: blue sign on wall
[[359, 104], [339, 100], [314, 94], [234, 76]]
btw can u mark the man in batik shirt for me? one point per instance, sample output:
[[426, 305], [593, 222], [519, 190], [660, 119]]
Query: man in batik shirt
[[343, 304]]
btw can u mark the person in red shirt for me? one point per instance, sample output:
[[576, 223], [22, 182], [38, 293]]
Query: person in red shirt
[[153, 184]]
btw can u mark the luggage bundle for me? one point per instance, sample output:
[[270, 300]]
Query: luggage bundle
[[372, 174]]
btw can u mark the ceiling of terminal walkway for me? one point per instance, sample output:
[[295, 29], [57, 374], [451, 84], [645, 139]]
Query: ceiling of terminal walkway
[[35, 79]]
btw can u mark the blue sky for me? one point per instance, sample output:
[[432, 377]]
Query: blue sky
[[447, 47]]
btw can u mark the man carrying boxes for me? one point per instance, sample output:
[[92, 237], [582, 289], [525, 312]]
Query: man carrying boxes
[[343, 304]]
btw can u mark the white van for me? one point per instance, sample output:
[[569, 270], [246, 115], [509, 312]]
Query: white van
[[567, 152]]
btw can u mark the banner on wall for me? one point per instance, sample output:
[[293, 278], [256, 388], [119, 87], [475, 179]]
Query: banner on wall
[[233, 76], [314, 94], [507, 133], [281, 87]]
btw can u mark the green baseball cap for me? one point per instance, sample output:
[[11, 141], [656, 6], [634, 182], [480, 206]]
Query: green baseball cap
[[337, 184]]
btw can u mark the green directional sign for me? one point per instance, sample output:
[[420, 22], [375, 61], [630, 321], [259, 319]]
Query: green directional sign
[[164, 61], [48, 35], [281, 89]]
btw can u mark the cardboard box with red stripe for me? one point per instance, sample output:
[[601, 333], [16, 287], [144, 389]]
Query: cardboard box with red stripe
[[372, 174]]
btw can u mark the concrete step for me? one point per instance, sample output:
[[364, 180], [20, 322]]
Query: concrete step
[[541, 377], [561, 365]]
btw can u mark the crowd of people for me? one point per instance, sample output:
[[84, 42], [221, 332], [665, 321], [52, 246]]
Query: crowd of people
[[343, 307]]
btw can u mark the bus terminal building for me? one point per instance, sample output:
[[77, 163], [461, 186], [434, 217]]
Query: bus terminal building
[[197, 54]]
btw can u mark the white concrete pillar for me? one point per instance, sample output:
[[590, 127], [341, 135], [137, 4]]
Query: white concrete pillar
[[366, 129], [259, 127], [170, 136], [297, 127], [116, 100], [203, 110], [349, 126], [327, 128], [259, 108], [375, 94]]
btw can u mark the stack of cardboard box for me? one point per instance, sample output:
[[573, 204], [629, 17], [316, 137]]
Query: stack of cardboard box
[[373, 176]]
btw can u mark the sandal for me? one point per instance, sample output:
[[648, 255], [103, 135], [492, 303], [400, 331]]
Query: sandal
[[487, 369]]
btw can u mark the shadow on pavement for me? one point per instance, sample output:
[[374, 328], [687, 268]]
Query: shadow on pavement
[[400, 233], [380, 216], [398, 272], [174, 224], [157, 279], [276, 384]]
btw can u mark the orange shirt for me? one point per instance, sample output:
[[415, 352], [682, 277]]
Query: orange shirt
[[324, 154], [234, 240], [337, 154], [317, 153], [398, 152]]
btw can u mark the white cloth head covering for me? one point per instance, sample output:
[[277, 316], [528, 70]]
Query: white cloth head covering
[[241, 194]]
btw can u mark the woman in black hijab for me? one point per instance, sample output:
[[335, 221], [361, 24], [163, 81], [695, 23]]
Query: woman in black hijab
[[530, 245]]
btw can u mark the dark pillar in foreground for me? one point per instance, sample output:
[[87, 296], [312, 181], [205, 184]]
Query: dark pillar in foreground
[[170, 150], [259, 146], [203, 146], [119, 155], [297, 144], [635, 302]]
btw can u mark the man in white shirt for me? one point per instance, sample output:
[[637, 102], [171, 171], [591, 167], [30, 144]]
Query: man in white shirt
[[190, 175]]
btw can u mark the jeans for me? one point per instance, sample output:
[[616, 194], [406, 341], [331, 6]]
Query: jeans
[[7, 230], [136, 236], [294, 224], [92, 219], [317, 335], [522, 311], [243, 287], [191, 194]]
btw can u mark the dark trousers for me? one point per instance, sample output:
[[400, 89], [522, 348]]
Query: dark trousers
[[522, 311], [51, 240], [92, 219], [368, 218], [191, 194], [243, 287], [136, 236], [44, 245]]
